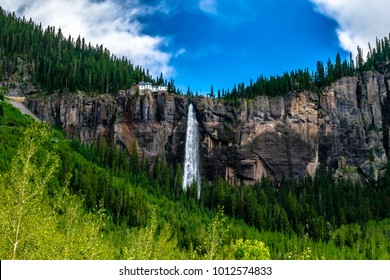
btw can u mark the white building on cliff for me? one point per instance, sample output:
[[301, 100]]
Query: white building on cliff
[[145, 86]]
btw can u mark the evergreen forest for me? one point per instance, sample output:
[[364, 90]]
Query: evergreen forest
[[62, 199], [55, 63]]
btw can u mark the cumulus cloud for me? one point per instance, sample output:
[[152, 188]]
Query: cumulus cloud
[[102, 22], [359, 21], [208, 6]]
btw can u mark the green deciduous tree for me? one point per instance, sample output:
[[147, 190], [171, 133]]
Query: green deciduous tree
[[41, 223], [251, 250], [31, 170], [150, 244], [217, 232]]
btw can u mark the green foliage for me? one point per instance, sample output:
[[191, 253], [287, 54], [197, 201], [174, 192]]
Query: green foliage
[[35, 225], [217, 234], [56, 63], [143, 247], [148, 244], [250, 250], [300, 255], [12, 123], [306, 207], [376, 56], [80, 230], [64, 218], [12, 117], [31, 170]]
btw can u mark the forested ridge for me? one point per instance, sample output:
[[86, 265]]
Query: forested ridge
[[54, 62], [61, 199], [64, 64], [324, 74]]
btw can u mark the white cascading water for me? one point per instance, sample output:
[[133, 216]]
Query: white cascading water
[[191, 161]]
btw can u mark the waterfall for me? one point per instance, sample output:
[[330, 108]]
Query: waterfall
[[191, 162]]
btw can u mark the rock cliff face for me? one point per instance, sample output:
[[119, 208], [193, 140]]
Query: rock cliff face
[[268, 136]]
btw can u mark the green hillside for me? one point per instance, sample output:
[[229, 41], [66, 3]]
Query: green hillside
[[61, 199]]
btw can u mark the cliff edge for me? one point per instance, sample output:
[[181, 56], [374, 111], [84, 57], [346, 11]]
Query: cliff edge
[[278, 137]]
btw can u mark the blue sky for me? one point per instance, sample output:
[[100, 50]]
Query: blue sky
[[200, 43], [239, 40]]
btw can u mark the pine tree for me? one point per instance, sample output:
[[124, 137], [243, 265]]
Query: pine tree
[[178, 183], [338, 72], [320, 74], [359, 59]]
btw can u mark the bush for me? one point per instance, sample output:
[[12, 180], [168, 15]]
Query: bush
[[251, 250]]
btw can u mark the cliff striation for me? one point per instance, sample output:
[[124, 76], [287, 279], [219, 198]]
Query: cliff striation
[[345, 126]]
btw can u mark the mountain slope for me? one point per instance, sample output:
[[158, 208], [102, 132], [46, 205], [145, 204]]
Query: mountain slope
[[181, 228]]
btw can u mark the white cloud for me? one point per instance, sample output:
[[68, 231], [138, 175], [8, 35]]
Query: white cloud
[[102, 22], [359, 21], [208, 6], [180, 52]]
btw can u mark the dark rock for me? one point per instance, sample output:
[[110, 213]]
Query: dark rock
[[268, 136]]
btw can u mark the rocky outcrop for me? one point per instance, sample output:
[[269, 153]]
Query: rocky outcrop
[[157, 122], [19, 83], [272, 137], [277, 137]]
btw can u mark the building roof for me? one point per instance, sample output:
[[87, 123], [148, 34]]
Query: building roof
[[145, 84]]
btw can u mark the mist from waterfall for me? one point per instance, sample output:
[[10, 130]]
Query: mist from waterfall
[[191, 162]]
